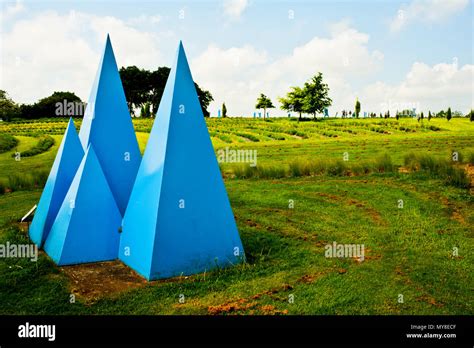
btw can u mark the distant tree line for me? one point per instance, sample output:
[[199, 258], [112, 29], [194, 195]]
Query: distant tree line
[[143, 91]]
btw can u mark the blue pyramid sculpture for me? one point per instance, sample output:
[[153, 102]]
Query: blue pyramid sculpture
[[86, 228], [179, 219], [107, 125], [64, 168]]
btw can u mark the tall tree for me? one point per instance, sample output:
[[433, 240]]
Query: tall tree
[[357, 108], [448, 114], [224, 110], [471, 116], [429, 115], [136, 85], [8, 108], [294, 101], [316, 95], [263, 102]]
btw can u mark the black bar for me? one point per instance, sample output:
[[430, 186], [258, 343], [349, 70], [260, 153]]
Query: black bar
[[241, 330]]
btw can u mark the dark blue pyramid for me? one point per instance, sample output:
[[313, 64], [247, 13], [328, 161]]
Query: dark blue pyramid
[[179, 219], [86, 228], [107, 125], [64, 168]]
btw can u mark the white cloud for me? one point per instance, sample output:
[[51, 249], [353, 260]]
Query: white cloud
[[425, 88], [426, 11], [51, 52], [12, 10], [144, 19], [238, 81], [235, 8]]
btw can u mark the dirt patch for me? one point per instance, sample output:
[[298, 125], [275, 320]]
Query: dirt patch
[[428, 299], [454, 210], [95, 280], [233, 307]]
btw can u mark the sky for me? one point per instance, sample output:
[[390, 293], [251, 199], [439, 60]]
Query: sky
[[391, 55]]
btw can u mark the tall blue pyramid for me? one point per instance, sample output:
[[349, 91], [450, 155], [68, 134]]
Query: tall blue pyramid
[[107, 125], [64, 168], [179, 219], [86, 228]]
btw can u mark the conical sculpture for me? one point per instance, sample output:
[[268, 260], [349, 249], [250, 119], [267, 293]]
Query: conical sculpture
[[86, 228], [107, 125], [179, 220], [68, 158]]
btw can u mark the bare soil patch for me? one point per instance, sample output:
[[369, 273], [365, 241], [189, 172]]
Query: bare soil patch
[[92, 281]]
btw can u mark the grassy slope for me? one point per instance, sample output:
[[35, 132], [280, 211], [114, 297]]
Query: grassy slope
[[408, 251]]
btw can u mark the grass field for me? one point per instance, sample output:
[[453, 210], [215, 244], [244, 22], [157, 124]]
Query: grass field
[[418, 258]]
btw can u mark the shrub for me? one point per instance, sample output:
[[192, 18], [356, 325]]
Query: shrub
[[244, 171], [271, 172], [318, 167], [438, 167], [337, 168], [44, 144], [7, 142], [470, 157], [456, 176], [248, 136], [300, 168]]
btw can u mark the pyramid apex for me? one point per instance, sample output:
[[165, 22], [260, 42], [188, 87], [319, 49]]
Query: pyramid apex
[[108, 43], [181, 54], [70, 125]]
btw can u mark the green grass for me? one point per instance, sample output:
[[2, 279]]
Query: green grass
[[300, 197], [45, 142]]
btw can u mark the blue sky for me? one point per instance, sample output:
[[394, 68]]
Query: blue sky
[[389, 54]]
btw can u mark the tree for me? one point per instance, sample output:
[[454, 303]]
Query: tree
[[293, 101], [136, 84], [48, 107], [205, 98], [421, 116], [387, 115], [224, 110], [316, 97], [143, 86], [357, 107], [429, 115], [397, 115], [8, 108], [471, 117], [157, 85], [263, 102], [146, 110], [448, 114]]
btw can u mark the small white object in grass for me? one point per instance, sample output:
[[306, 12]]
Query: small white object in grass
[[28, 214]]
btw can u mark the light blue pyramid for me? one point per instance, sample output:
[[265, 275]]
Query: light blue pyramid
[[179, 219], [64, 168], [86, 228], [107, 125]]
